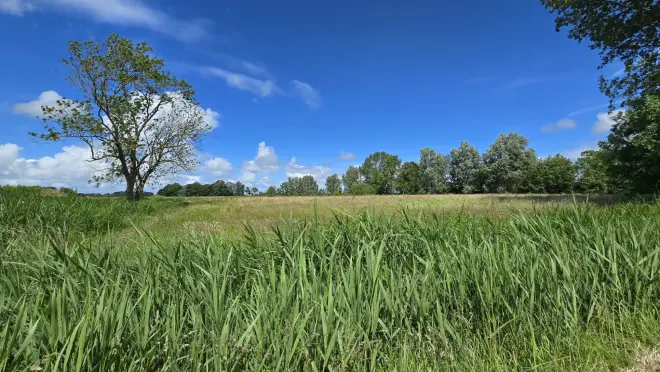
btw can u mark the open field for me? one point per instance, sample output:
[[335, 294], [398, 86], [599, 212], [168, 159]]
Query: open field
[[332, 283]]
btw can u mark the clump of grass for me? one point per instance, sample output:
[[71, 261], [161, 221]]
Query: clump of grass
[[570, 289]]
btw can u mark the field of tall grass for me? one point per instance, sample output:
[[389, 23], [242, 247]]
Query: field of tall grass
[[572, 288]]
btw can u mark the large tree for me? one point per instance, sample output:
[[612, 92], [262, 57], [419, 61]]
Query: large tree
[[434, 168], [333, 184], [555, 175], [379, 170], [139, 122], [465, 169], [632, 150], [621, 30], [507, 162], [408, 180]]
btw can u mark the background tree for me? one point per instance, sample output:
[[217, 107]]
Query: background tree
[[195, 189], [558, 174], [255, 191], [434, 168], [220, 188], [333, 184], [272, 191], [465, 166], [621, 30], [633, 147], [507, 162], [409, 178], [308, 186], [248, 191], [592, 173], [238, 189], [170, 190], [350, 178], [363, 189], [138, 121], [379, 170]]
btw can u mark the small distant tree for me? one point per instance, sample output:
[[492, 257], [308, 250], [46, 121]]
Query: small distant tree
[[333, 184], [434, 168], [170, 190], [68, 191], [350, 178], [507, 162], [592, 173], [272, 191], [379, 170], [308, 186], [195, 189], [238, 189], [255, 191], [139, 122], [408, 181], [466, 169]]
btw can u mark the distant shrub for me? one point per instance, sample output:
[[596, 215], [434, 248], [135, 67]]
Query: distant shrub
[[363, 189], [68, 191]]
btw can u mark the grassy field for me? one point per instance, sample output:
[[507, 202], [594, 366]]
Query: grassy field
[[333, 283]]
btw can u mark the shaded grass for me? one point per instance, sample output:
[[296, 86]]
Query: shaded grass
[[563, 289]]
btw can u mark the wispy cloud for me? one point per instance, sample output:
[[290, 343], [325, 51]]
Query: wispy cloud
[[319, 172], [307, 93], [344, 156], [585, 110], [262, 88], [560, 125], [118, 12], [521, 83]]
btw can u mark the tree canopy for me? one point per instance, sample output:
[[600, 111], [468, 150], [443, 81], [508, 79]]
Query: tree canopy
[[139, 122]]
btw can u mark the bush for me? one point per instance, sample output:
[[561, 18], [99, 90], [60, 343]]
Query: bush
[[363, 189]]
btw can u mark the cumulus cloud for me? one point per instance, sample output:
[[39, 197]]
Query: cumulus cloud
[[212, 118], [70, 167], [262, 88], [266, 161], [605, 122], [118, 12], [310, 96], [345, 156], [217, 166], [560, 125], [33, 108], [192, 179], [319, 172]]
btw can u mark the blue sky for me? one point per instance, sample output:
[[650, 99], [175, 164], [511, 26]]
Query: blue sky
[[312, 79]]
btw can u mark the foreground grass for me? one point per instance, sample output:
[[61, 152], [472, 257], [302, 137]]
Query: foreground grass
[[564, 289]]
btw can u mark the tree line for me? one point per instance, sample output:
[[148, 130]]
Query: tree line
[[507, 166]]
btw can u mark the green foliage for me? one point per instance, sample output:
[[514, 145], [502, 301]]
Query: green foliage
[[622, 31], [409, 178], [139, 122], [465, 168], [350, 178], [434, 169], [567, 290], [272, 191], [333, 184], [300, 186], [507, 162], [379, 170], [172, 189], [632, 149], [363, 189], [592, 173], [551, 175], [68, 191]]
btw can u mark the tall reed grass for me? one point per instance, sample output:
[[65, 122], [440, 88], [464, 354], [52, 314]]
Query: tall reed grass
[[573, 289]]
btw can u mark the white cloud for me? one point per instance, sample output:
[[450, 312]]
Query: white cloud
[[212, 118], [560, 125], [247, 177], [15, 7], [71, 167], [294, 169], [33, 108], [254, 69], [265, 162], [587, 109], [605, 122], [118, 12], [262, 88], [217, 166], [346, 156], [8, 155], [192, 179], [307, 93]]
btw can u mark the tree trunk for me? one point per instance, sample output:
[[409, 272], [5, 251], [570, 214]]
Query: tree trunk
[[139, 189], [130, 188]]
